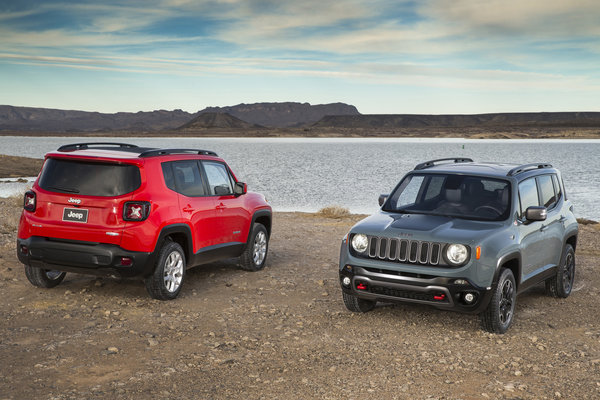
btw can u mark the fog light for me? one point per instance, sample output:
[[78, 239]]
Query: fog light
[[346, 281], [469, 298]]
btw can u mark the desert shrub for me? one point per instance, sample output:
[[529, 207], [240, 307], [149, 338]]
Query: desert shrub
[[334, 212]]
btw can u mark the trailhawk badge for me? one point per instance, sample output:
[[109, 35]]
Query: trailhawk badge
[[75, 215]]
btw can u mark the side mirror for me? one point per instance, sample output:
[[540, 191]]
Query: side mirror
[[536, 213], [382, 199], [240, 188]]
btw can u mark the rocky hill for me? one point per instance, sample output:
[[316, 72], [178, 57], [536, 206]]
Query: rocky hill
[[45, 119], [542, 119], [284, 114], [217, 120]]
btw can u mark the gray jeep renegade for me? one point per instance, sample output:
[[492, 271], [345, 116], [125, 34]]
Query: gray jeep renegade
[[463, 236]]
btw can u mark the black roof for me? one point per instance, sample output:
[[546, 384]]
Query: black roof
[[132, 148], [468, 166]]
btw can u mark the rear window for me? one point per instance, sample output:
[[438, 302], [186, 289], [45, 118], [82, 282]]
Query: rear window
[[89, 178]]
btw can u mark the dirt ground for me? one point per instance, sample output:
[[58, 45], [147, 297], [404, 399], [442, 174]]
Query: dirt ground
[[284, 333]]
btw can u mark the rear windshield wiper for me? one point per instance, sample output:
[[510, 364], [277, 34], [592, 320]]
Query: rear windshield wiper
[[63, 189]]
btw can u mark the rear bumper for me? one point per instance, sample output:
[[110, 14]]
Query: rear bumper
[[439, 292], [83, 257]]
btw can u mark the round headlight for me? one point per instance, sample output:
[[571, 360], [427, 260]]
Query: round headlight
[[360, 243], [457, 254]]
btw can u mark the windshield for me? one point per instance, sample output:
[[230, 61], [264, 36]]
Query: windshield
[[463, 196], [89, 178]]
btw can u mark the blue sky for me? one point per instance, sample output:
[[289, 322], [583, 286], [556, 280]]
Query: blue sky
[[383, 56]]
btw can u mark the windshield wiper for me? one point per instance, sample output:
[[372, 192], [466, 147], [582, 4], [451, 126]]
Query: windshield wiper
[[64, 189]]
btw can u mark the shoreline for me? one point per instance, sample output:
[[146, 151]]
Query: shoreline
[[509, 132]]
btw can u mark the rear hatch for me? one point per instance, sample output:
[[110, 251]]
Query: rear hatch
[[79, 199]]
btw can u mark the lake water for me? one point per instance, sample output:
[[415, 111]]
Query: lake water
[[308, 174]]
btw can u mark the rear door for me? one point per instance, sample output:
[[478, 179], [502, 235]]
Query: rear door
[[83, 200], [196, 205]]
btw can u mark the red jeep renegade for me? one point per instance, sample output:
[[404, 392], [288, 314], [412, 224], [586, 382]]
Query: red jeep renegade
[[119, 209]]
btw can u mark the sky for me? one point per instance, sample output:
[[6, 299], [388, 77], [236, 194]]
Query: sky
[[382, 56]]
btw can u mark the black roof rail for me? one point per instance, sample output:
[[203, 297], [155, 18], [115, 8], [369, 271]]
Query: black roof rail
[[431, 163], [162, 152], [83, 146], [527, 167]]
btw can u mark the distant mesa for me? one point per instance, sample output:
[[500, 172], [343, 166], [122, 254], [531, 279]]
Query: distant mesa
[[284, 115], [216, 120], [387, 121]]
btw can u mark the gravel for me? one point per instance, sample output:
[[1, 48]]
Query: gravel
[[283, 333]]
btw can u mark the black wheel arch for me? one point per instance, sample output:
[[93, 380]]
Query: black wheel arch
[[511, 261], [179, 233], [263, 217]]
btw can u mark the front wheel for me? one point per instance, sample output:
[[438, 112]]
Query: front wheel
[[254, 256], [356, 304], [44, 278], [499, 314], [169, 271], [561, 284]]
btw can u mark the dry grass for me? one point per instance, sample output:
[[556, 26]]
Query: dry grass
[[334, 212], [584, 221]]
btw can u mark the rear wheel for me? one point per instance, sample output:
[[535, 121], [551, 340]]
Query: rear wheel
[[499, 314], [255, 255], [169, 272], [356, 304], [44, 278], [561, 284]]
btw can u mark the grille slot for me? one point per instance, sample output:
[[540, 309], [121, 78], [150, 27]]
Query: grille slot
[[404, 250]]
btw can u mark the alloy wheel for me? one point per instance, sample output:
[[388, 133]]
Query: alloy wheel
[[259, 251], [173, 271]]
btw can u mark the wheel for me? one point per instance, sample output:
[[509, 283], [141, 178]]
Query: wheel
[[499, 314], [561, 284], [44, 278], [169, 271], [255, 255], [356, 304]]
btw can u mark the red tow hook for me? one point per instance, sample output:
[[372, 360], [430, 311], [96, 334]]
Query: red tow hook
[[361, 286], [439, 297]]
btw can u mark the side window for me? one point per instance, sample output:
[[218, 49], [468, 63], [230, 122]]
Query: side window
[[547, 191], [528, 195], [219, 180], [184, 177], [557, 189]]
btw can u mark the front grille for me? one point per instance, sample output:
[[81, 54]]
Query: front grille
[[405, 251]]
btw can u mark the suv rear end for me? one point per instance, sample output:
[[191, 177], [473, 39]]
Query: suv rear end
[[122, 210], [77, 211]]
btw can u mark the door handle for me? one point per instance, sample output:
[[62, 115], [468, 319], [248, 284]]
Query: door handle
[[562, 218], [188, 208], [221, 206], [543, 228]]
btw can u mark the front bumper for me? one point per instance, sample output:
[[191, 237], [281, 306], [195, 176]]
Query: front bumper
[[391, 286], [83, 257]]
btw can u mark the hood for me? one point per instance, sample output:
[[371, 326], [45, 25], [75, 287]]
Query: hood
[[426, 227]]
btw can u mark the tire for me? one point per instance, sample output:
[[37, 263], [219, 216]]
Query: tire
[[44, 278], [169, 272], [356, 304], [561, 284], [254, 256], [499, 314]]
